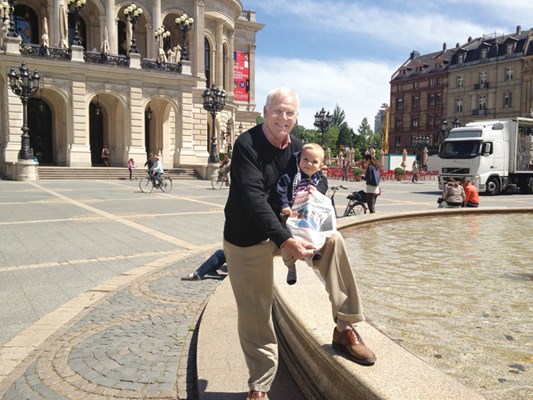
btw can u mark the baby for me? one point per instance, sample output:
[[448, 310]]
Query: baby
[[303, 175]]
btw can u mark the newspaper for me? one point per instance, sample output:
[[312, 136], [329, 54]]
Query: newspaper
[[312, 218]]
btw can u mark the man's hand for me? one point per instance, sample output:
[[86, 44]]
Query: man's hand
[[298, 247], [285, 212]]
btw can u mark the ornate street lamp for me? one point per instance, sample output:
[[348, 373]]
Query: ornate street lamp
[[160, 35], [214, 101], [456, 123], [184, 23], [8, 8], [75, 7], [24, 86], [322, 121], [132, 13], [445, 129]]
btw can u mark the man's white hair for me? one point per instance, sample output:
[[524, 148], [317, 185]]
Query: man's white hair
[[282, 92]]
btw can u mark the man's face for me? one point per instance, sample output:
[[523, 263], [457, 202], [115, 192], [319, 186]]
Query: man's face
[[310, 161], [280, 116]]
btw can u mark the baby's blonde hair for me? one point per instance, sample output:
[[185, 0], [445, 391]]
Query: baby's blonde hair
[[314, 146]]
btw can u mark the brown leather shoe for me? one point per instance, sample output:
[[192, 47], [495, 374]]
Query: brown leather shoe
[[254, 394], [351, 343]]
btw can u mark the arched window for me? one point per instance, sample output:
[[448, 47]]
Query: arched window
[[225, 67], [207, 61], [26, 24]]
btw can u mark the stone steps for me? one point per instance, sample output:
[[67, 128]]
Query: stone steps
[[49, 172]]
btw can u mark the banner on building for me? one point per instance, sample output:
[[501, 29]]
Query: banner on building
[[241, 74]]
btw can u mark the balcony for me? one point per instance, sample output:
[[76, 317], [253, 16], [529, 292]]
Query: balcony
[[60, 54], [484, 85]]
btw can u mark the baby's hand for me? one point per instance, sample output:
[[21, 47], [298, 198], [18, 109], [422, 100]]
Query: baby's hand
[[285, 212]]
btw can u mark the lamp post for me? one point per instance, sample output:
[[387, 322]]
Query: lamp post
[[24, 86], [132, 13], [445, 129], [214, 101], [75, 7], [184, 23], [322, 121], [160, 35]]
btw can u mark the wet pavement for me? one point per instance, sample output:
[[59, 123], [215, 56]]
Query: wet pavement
[[91, 303]]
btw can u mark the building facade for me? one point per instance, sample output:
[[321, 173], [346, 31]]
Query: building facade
[[99, 92], [489, 77]]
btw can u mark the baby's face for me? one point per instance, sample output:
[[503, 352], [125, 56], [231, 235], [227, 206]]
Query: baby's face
[[310, 161]]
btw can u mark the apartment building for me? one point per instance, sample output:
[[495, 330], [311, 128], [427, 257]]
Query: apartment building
[[489, 77]]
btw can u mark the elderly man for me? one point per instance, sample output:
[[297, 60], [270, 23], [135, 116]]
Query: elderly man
[[252, 235]]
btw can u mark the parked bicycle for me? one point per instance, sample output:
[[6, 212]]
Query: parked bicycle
[[356, 202], [149, 183]]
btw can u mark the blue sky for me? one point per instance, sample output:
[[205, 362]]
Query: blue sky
[[345, 51]]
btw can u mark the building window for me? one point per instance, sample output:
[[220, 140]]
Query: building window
[[431, 100], [415, 85], [510, 48], [398, 123], [430, 121], [482, 103], [397, 141], [399, 104], [414, 122], [507, 99], [438, 82], [459, 81], [484, 52], [415, 103], [431, 82], [508, 74], [460, 58], [207, 61], [438, 100], [458, 104], [483, 77], [399, 88]]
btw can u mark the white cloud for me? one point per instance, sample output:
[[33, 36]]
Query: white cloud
[[358, 87]]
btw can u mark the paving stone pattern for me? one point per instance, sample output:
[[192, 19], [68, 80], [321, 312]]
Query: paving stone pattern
[[130, 345]]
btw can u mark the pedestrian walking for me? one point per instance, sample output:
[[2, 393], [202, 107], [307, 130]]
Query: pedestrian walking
[[106, 154], [372, 178], [415, 171], [131, 166]]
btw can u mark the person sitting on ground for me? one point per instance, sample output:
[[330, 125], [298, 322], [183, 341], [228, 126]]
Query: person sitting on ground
[[210, 266], [302, 174], [471, 193], [157, 171], [452, 196]]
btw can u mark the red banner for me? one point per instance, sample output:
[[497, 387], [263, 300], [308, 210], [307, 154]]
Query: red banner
[[241, 74]]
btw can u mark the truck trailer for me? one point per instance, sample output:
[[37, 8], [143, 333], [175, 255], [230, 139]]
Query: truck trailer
[[495, 155]]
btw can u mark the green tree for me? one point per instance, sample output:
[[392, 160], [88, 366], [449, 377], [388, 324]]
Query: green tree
[[344, 138], [338, 118]]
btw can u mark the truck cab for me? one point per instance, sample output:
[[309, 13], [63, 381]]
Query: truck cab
[[486, 153]]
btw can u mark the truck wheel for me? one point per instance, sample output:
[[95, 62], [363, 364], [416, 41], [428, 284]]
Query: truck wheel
[[493, 186]]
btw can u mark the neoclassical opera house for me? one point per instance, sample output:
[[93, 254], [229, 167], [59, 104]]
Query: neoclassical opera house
[[127, 75]]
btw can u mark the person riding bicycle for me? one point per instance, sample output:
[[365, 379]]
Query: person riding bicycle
[[156, 171], [223, 169]]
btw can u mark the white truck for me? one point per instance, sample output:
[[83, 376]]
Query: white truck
[[495, 155]]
